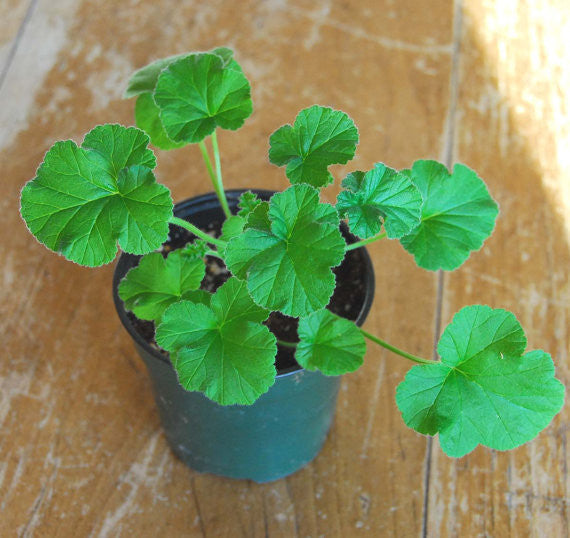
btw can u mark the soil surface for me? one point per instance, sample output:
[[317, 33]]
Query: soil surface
[[347, 300]]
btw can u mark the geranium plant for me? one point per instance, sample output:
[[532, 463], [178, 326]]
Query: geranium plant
[[85, 201]]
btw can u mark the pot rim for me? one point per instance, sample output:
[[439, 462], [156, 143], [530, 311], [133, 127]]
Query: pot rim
[[209, 201]]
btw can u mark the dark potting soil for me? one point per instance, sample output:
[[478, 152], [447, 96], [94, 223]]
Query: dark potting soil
[[347, 300]]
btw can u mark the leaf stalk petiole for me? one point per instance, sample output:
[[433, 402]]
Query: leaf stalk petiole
[[221, 192], [394, 349], [216, 177], [214, 253], [287, 344], [364, 242], [196, 231]]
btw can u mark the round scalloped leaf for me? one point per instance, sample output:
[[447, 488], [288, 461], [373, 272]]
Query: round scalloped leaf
[[319, 137], [147, 117], [114, 147], [222, 350], [144, 79], [198, 93], [289, 266], [381, 196], [458, 214], [330, 344], [157, 282], [485, 390], [85, 200]]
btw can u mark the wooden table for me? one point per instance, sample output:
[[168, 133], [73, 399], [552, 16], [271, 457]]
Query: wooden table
[[485, 83]]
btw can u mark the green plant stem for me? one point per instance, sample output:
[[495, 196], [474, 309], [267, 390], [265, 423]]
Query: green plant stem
[[218, 187], [221, 193], [286, 344], [214, 253], [363, 242], [378, 341], [207, 160], [394, 349], [196, 231]]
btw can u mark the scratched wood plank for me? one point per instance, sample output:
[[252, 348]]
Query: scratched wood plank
[[513, 126], [81, 444]]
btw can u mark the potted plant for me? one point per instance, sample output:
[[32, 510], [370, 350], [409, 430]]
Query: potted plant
[[214, 289]]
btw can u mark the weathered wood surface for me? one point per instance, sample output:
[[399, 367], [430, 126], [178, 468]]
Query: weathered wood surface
[[512, 124], [14, 13], [82, 449]]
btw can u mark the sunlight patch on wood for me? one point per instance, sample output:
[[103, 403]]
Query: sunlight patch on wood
[[532, 70]]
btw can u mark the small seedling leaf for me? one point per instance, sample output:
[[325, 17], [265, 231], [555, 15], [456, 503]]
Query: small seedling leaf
[[258, 217], [319, 137], [248, 201], [381, 196], [157, 282], [288, 267]]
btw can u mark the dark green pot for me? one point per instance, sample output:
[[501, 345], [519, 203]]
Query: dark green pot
[[277, 435]]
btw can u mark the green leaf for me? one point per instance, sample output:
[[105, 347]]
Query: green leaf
[[85, 200], [381, 196], [354, 180], [198, 93], [147, 117], [289, 266], [320, 137], [147, 113], [197, 248], [247, 203], [227, 56], [157, 282], [232, 227], [329, 343], [144, 79], [457, 215], [259, 217], [199, 296], [114, 147], [485, 390], [222, 350]]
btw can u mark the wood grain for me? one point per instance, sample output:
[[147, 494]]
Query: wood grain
[[82, 450], [13, 16], [506, 118]]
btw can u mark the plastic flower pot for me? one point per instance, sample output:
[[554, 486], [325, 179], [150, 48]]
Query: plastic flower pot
[[277, 435]]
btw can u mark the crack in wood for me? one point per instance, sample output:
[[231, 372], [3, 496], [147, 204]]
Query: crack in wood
[[448, 155], [16, 43]]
